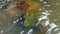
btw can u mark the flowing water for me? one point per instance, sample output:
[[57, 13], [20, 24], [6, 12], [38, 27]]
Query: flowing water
[[49, 12]]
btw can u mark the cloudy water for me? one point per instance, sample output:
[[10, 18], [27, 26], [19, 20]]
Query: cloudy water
[[12, 23]]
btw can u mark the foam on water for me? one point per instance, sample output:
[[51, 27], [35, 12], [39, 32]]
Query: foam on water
[[30, 31], [52, 26], [42, 17], [56, 29], [58, 33], [21, 32]]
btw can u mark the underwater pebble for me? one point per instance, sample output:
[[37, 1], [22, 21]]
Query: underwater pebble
[[44, 2], [0, 6], [40, 9], [59, 17], [46, 13], [20, 18], [1, 31], [16, 14], [41, 0], [54, 19], [56, 4], [8, 0], [14, 21], [47, 5], [17, 20], [50, 10]]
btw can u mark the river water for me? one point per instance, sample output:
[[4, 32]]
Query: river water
[[49, 11]]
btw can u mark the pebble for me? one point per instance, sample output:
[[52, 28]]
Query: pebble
[[40, 9], [44, 2], [41, 0], [14, 21], [1, 31]]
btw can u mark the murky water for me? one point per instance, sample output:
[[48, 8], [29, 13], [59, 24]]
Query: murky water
[[50, 9]]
